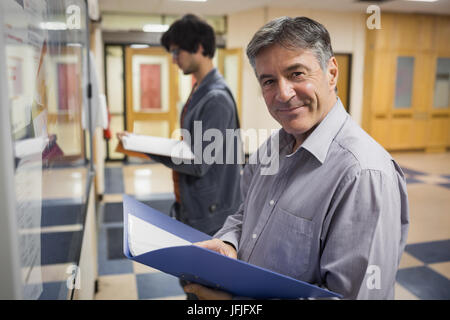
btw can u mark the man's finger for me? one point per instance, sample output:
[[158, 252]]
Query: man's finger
[[192, 288], [218, 246], [204, 293]]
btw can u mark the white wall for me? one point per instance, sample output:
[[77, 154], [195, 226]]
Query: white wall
[[347, 31], [241, 27]]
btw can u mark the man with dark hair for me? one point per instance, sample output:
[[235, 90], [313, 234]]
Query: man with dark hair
[[205, 193], [336, 213], [188, 33], [208, 191]]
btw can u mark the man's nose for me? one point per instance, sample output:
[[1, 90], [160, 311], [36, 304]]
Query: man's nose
[[285, 91]]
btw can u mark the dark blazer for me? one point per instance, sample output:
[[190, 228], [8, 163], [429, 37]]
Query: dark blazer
[[210, 192]]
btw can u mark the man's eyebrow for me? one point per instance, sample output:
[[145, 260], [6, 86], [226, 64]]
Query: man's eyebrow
[[264, 76], [292, 67], [296, 66]]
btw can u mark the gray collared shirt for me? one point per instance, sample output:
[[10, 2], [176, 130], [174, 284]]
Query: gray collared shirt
[[335, 214]]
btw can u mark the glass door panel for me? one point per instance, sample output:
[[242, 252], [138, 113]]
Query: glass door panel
[[442, 84], [404, 82], [150, 76]]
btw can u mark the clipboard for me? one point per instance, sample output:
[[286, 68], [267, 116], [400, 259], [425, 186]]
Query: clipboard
[[142, 146], [121, 149], [207, 267]]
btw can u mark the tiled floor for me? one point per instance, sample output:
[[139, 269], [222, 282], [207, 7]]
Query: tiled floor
[[120, 278], [56, 231], [425, 266]]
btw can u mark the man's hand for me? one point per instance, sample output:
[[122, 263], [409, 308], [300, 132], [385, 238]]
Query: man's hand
[[204, 293], [120, 135], [218, 246]]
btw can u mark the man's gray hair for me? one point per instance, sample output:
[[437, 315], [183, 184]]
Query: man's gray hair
[[293, 33]]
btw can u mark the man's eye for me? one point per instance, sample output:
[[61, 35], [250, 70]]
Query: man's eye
[[267, 83], [297, 74]]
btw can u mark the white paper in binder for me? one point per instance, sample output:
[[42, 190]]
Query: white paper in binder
[[144, 237], [158, 145]]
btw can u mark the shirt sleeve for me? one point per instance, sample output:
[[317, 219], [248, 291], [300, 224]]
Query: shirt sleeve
[[217, 114], [363, 235]]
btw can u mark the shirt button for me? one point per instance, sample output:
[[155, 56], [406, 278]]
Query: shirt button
[[271, 202], [254, 236]]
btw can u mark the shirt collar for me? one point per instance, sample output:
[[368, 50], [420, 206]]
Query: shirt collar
[[319, 141], [210, 76]]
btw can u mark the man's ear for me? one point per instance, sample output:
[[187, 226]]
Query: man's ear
[[332, 72]]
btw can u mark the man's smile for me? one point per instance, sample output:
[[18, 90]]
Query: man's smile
[[291, 110]]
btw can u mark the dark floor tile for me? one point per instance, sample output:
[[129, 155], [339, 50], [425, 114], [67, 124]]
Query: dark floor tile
[[61, 214], [60, 247], [112, 267], [113, 212], [54, 291], [430, 252], [424, 283], [412, 172], [115, 243], [113, 180], [107, 266], [445, 185], [412, 180], [157, 285]]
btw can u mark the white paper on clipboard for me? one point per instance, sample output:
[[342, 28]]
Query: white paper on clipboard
[[158, 145]]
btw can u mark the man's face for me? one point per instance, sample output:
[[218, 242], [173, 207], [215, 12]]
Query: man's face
[[298, 93], [186, 61]]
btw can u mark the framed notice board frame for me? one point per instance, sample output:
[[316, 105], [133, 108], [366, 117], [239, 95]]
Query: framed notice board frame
[[45, 177]]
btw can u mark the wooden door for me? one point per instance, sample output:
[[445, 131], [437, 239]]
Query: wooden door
[[151, 92], [406, 86], [343, 85]]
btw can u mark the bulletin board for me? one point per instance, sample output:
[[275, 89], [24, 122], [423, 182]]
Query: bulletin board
[[44, 52]]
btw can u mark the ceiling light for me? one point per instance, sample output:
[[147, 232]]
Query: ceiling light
[[155, 27], [53, 25], [139, 46], [423, 0], [191, 0]]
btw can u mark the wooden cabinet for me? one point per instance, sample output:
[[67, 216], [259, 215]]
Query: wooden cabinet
[[405, 74]]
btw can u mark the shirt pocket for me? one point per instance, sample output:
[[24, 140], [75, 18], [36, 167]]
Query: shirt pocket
[[285, 245]]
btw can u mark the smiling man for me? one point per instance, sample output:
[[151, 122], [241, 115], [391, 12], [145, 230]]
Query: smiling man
[[298, 93], [336, 213], [205, 192]]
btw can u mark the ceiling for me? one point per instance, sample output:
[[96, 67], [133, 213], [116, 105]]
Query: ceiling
[[223, 7]]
